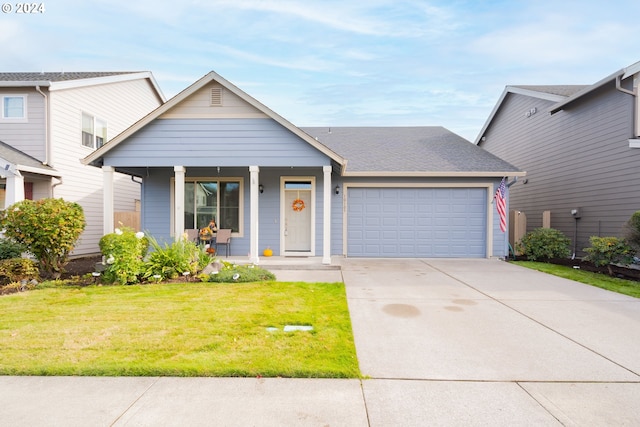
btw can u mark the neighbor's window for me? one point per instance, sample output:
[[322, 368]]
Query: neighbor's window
[[94, 131], [14, 107], [217, 199]]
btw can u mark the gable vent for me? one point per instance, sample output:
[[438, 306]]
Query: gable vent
[[216, 96]]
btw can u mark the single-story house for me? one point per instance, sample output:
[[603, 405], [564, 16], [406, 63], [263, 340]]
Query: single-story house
[[213, 151]]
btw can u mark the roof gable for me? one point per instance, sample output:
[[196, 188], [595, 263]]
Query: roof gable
[[562, 95], [213, 101], [554, 93], [179, 104]]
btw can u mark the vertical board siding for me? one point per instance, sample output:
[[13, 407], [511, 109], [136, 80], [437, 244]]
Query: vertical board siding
[[576, 158], [215, 142], [29, 137], [120, 104]]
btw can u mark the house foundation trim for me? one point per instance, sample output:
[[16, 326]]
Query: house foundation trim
[[254, 218], [107, 199], [326, 216], [178, 213]]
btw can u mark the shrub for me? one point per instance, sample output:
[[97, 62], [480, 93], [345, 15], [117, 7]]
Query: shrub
[[48, 228], [10, 249], [608, 250], [17, 270], [124, 251], [632, 231], [544, 244], [231, 273], [171, 261]]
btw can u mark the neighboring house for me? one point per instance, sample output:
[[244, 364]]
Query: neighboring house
[[580, 147], [215, 152], [50, 121]]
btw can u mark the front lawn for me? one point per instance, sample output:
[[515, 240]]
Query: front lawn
[[180, 329], [614, 284]]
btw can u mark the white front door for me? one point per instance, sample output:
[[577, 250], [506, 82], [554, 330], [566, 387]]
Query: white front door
[[298, 216]]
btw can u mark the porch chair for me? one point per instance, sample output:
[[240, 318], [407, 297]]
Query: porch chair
[[223, 237], [192, 234]]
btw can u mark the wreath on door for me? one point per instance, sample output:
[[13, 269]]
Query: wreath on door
[[298, 205]]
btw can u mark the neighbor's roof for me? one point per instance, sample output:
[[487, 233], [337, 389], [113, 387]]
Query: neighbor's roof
[[562, 95], [560, 90], [57, 76], [409, 151], [65, 80], [23, 162], [554, 93], [619, 75]]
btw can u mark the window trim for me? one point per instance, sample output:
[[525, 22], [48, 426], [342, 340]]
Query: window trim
[[24, 118], [218, 179], [95, 120]]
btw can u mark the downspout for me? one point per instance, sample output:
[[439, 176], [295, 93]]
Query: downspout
[[632, 93], [47, 137], [47, 132]]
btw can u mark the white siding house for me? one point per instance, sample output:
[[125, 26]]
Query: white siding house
[[66, 117]]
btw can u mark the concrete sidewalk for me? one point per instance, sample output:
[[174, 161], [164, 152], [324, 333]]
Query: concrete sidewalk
[[443, 342]]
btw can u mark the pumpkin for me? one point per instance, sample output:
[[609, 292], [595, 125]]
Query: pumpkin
[[267, 252]]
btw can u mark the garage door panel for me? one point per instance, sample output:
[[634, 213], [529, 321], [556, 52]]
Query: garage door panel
[[416, 222]]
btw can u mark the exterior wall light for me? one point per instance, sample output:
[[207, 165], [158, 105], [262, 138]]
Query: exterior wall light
[[337, 189], [261, 188]]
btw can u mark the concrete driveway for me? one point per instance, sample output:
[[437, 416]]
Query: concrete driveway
[[487, 342]]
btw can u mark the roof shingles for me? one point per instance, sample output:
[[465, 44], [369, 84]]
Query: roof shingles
[[57, 76], [407, 149]]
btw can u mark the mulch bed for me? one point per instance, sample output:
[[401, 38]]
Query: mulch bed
[[81, 266], [620, 272]]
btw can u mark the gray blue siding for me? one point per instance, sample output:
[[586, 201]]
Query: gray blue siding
[[215, 142]]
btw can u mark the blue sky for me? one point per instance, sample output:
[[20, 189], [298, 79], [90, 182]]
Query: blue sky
[[337, 63]]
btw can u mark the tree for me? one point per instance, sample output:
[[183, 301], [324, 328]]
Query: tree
[[49, 228]]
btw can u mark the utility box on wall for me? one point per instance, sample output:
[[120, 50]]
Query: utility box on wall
[[517, 228]]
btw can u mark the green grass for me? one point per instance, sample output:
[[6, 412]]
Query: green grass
[[194, 329], [625, 287]]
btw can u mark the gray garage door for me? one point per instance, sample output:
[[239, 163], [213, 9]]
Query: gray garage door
[[416, 222]]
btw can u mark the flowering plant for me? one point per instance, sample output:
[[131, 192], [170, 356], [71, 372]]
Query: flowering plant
[[124, 251]]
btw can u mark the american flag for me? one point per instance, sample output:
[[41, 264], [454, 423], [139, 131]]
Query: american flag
[[500, 199]]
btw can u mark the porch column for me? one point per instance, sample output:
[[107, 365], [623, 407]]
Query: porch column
[[178, 213], [107, 200], [326, 226], [15, 187], [254, 178]]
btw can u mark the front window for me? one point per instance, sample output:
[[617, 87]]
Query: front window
[[212, 199], [94, 131], [14, 107]]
